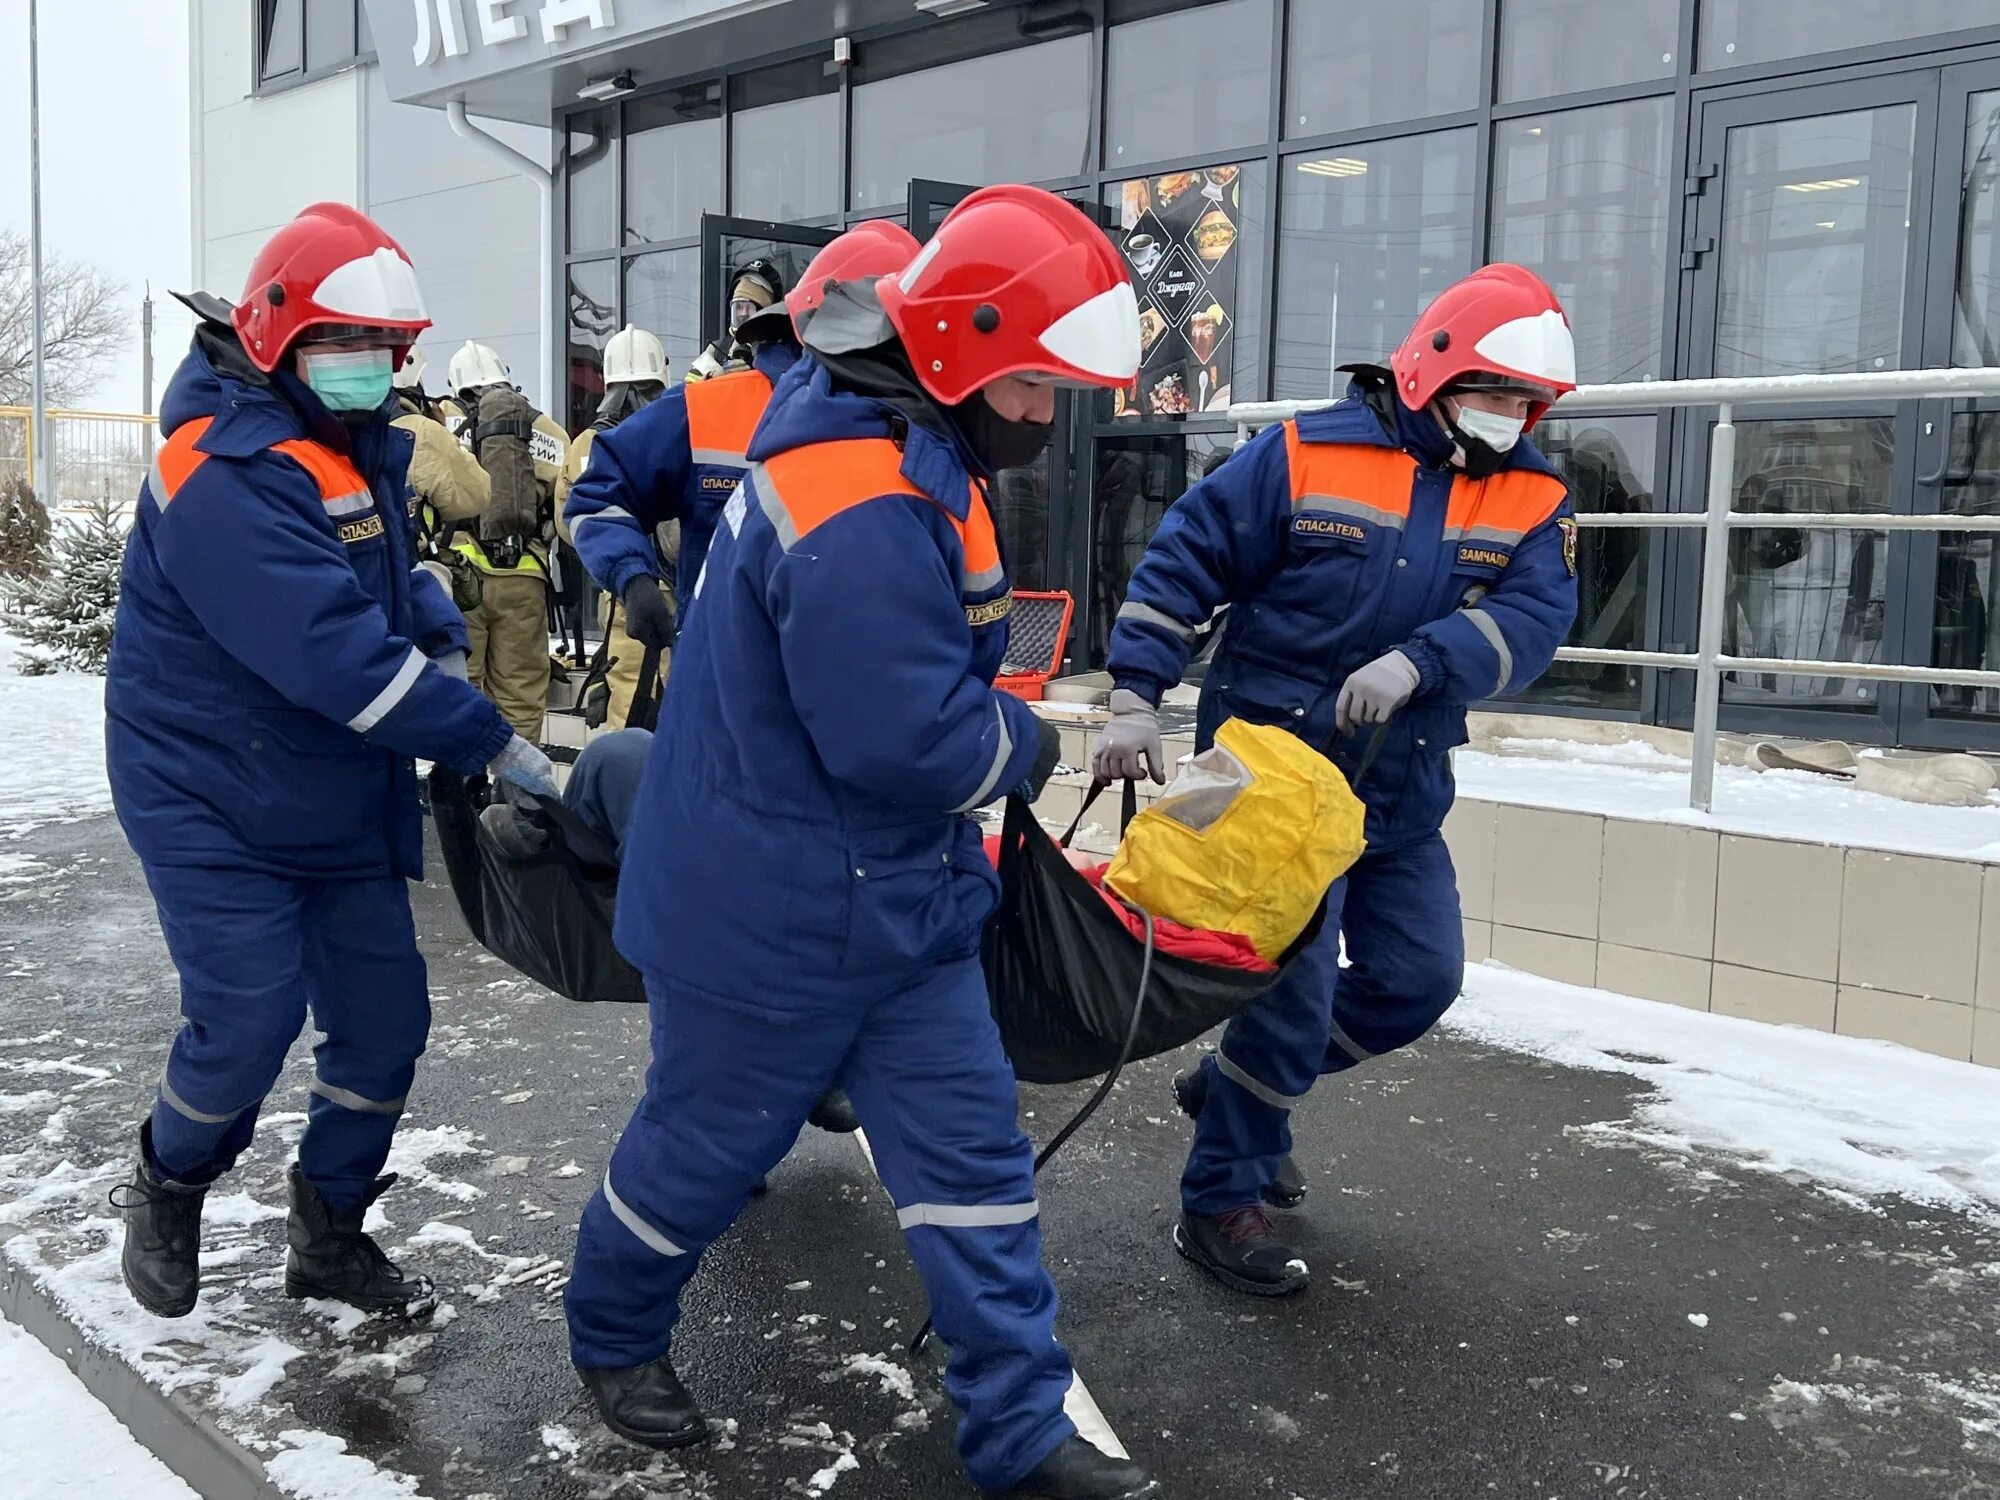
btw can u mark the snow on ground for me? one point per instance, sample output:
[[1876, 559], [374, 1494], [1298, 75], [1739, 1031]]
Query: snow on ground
[[1641, 782], [51, 751], [1859, 1119], [60, 1443]]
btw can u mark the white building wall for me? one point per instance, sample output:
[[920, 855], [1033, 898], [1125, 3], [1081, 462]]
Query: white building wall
[[472, 226]]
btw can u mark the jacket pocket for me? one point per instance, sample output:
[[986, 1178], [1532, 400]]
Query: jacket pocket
[[917, 896], [311, 785], [1259, 694]]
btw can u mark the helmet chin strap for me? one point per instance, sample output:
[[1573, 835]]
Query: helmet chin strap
[[1479, 460]]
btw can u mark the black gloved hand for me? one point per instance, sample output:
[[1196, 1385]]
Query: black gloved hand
[[1048, 754], [649, 619]]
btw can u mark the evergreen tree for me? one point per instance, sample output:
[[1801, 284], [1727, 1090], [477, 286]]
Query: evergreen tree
[[67, 613], [24, 531]]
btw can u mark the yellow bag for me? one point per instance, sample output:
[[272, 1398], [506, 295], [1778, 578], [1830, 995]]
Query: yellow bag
[[1246, 839]]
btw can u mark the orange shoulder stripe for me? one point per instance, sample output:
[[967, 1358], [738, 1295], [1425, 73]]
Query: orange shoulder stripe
[[1367, 482], [178, 458], [1505, 507], [334, 475], [723, 412], [813, 485]]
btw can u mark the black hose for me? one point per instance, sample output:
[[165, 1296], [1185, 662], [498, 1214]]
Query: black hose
[[1077, 1120]]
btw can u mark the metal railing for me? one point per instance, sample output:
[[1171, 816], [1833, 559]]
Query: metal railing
[[1708, 661], [95, 455]]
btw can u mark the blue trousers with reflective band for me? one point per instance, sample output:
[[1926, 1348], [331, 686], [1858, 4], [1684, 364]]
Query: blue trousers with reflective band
[[729, 1087], [256, 953], [1406, 955]]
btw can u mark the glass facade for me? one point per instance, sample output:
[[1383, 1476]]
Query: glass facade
[[1291, 182]]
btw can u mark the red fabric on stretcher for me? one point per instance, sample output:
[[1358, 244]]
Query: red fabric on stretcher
[[1226, 950]]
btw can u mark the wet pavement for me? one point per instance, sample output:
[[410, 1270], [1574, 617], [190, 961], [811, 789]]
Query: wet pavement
[[1504, 1302]]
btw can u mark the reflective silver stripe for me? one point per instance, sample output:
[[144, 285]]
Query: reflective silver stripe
[[1339, 505], [992, 779], [399, 686], [719, 456], [1489, 627], [359, 1103], [966, 1215], [644, 1232], [157, 481], [348, 505], [609, 513], [1492, 534], [180, 1106], [774, 507], [978, 583], [1244, 1081], [1145, 614], [1347, 1043]]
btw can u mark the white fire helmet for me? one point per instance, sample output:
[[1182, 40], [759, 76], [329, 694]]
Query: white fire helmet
[[410, 374], [632, 356], [475, 367]]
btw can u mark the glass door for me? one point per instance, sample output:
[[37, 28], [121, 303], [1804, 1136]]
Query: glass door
[[1958, 574], [1808, 243], [728, 245]]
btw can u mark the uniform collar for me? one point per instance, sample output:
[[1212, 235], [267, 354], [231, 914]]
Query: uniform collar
[[1369, 414]]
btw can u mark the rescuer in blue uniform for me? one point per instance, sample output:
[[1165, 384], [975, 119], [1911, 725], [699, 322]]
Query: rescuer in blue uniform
[[1390, 560], [278, 659], [828, 726]]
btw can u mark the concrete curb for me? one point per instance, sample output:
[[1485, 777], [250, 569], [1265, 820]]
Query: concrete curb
[[214, 1465]]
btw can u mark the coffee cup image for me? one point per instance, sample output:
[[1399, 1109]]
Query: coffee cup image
[[1144, 253]]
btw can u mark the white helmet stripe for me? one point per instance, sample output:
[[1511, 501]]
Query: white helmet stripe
[[1539, 347], [1100, 336], [379, 288]]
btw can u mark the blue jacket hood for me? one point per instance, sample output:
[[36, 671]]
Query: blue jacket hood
[[252, 410]]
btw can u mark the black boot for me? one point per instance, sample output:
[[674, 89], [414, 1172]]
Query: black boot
[[331, 1258], [162, 1259], [835, 1113], [1191, 1093], [1076, 1470], [1240, 1249], [646, 1404]]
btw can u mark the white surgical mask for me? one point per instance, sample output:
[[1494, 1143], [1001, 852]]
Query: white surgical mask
[[1495, 431]]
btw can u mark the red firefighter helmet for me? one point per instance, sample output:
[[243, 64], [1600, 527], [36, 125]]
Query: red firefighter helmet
[[1015, 282], [333, 269], [1500, 328], [868, 251]]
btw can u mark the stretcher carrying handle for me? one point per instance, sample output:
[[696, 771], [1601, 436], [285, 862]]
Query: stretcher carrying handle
[[1126, 812], [645, 710]]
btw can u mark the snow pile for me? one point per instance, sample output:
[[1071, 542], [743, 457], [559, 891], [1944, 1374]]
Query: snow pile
[[60, 1443], [52, 731], [1862, 1118], [1635, 780]]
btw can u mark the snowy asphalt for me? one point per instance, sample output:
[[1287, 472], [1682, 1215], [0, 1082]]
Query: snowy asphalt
[[1503, 1303]]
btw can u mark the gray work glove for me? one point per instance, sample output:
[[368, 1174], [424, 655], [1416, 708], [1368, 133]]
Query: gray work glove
[[526, 767], [453, 664], [1128, 748], [1373, 693]]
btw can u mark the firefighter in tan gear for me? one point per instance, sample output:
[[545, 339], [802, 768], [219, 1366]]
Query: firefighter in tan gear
[[447, 486], [758, 285], [504, 551], [635, 375]]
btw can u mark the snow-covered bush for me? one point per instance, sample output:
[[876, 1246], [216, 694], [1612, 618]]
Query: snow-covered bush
[[66, 614], [24, 531]]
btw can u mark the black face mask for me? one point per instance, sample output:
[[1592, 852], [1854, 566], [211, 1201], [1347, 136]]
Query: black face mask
[[999, 443]]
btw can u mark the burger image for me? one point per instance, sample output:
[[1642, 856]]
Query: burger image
[[1213, 235]]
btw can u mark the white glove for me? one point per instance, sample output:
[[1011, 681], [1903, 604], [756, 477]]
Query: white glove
[[1372, 694], [1128, 748], [453, 664], [526, 767]]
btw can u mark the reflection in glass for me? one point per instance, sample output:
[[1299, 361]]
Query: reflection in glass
[[1811, 595], [1369, 235], [1965, 624], [1020, 501], [1353, 66], [673, 162], [1563, 46], [592, 319], [1191, 81], [1975, 338], [589, 167], [329, 33], [1608, 464], [663, 296], [1735, 32], [784, 160], [1815, 239], [1017, 116], [1581, 198], [1137, 478]]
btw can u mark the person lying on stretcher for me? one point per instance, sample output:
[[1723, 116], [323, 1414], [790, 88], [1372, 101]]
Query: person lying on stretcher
[[601, 788]]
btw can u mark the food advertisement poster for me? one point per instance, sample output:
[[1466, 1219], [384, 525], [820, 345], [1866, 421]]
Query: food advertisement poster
[[1178, 233]]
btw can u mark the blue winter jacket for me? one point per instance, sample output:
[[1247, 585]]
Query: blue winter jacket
[[830, 720], [1336, 538], [268, 682], [676, 459]]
